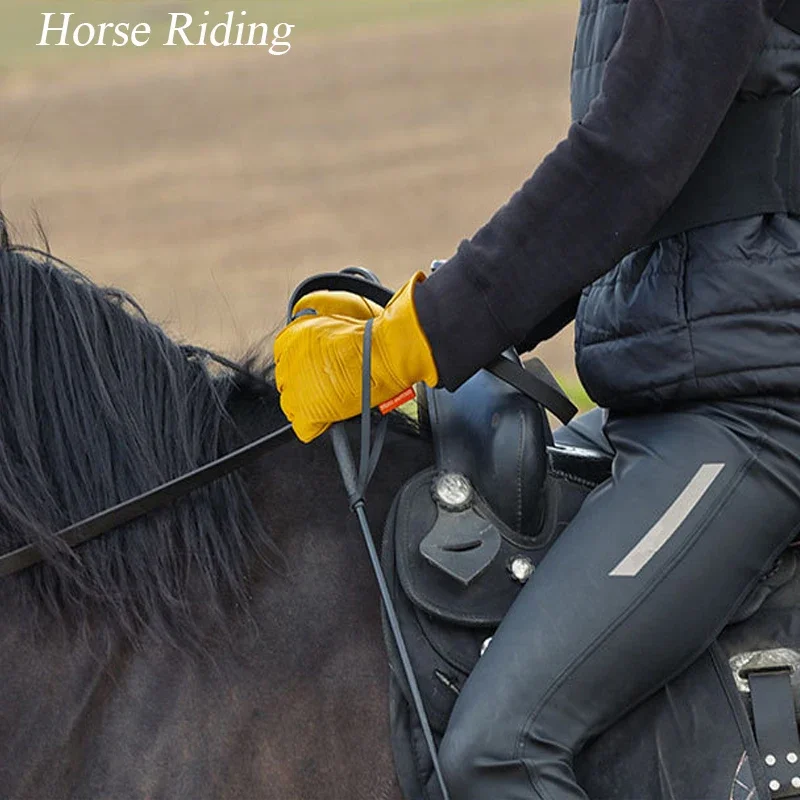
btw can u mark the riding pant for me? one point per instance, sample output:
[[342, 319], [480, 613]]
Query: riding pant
[[701, 501]]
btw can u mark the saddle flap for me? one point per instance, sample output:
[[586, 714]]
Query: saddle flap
[[468, 545]]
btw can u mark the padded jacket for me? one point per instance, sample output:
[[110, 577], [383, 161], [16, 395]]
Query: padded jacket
[[710, 313]]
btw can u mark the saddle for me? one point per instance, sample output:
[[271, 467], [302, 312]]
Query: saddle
[[464, 536]]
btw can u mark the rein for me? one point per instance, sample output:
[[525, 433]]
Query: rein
[[354, 280], [356, 481], [147, 502], [167, 493], [535, 385]]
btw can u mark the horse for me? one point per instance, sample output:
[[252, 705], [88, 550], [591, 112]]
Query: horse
[[228, 645]]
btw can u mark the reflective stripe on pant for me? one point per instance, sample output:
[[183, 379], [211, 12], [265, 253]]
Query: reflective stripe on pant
[[701, 502]]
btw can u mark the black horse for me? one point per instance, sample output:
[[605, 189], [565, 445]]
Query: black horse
[[228, 646]]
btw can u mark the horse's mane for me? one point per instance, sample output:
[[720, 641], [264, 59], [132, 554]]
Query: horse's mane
[[98, 404]]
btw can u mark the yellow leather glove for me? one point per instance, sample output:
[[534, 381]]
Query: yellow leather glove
[[342, 304], [318, 362]]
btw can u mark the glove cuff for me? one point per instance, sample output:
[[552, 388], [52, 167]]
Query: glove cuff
[[402, 341]]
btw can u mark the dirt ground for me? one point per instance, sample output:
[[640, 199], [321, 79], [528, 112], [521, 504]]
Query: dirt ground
[[209, 183]]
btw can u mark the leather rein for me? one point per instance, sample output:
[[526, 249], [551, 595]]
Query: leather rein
[[354, 280], [147, 502]]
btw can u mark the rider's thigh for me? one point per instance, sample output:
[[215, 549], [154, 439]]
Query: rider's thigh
[[700, 503]]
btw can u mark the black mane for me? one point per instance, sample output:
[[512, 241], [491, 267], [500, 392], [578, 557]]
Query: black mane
[[98, 404]]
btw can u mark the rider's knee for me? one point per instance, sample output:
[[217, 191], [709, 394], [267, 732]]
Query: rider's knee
[[460, 755], [473, 762]]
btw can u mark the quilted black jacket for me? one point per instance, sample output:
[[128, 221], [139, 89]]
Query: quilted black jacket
[[714, 312]]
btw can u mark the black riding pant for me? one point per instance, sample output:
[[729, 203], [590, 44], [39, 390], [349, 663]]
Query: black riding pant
[[700, 503]]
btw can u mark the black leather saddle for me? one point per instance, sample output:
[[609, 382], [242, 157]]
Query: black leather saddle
[[464, 536]]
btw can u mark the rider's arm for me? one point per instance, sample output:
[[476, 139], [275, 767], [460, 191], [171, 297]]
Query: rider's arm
[[554, 322], [668, 84]]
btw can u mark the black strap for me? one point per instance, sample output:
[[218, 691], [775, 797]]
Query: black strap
[[535, 381], [152, 500], [370, 453], [355, 482], [776, 729], [790, 16]]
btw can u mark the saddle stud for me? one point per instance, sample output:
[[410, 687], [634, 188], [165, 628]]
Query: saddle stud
[[521, 568], [453, 491]]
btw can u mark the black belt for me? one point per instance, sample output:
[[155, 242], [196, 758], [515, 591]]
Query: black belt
[[767, 676]]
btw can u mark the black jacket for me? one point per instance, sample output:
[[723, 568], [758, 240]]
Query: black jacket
[[710, 313]]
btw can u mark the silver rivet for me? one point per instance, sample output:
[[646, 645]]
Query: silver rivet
[[452, 491], [791, 758], [521, 568], [485, 645], [774, 785], [770, 760], [796, 782]]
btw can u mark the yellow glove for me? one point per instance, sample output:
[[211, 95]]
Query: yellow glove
[[342, 304], [318, 362]]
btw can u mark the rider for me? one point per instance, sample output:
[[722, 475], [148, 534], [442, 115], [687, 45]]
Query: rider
[[687, 331]]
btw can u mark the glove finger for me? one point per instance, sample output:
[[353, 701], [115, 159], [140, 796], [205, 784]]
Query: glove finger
[[342, 304], [286, 408], [284, 341], [308, 431], [279, 374]]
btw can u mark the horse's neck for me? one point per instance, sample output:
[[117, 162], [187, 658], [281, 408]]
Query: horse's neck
[[295, 707]]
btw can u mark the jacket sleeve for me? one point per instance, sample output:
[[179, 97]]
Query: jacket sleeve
[[554, 322], [668, 84]]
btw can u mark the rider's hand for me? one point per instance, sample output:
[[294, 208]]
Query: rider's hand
[[318, 362], [340, 304]]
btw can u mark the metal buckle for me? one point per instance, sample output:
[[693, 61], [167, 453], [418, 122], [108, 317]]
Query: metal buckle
[[776, 660]]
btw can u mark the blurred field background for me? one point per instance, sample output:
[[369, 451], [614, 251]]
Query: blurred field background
[[209, 181]]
